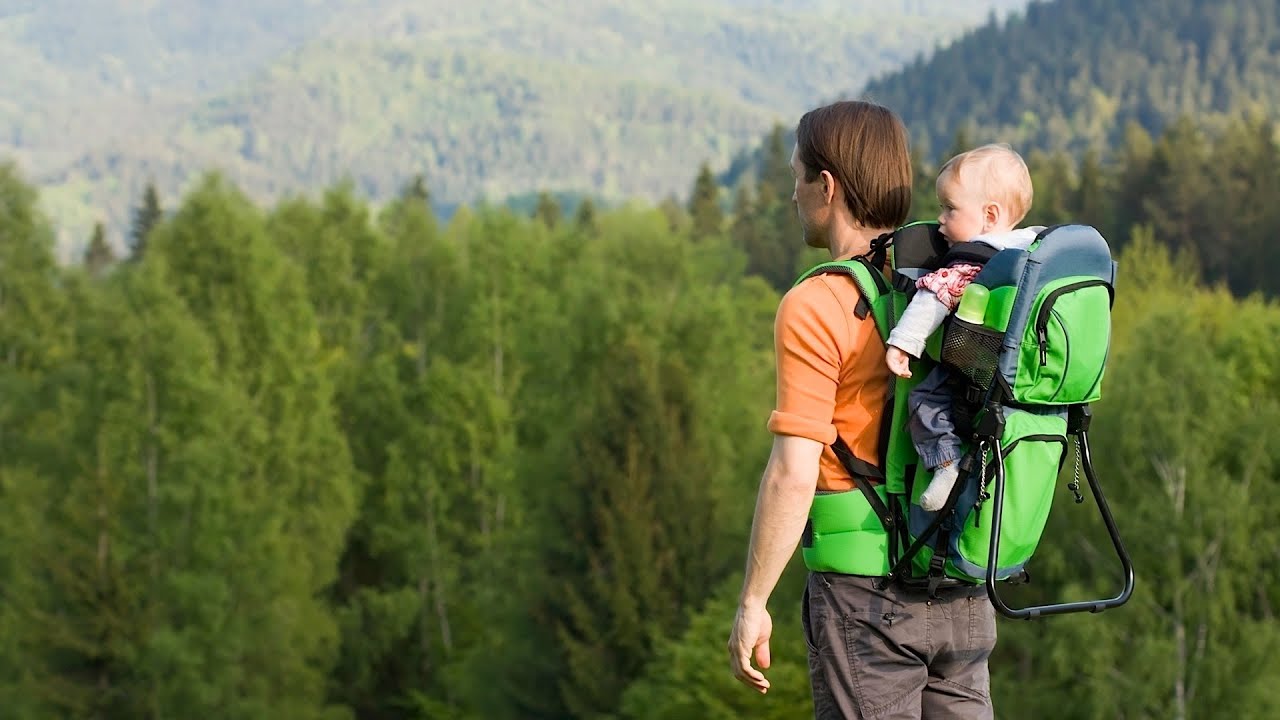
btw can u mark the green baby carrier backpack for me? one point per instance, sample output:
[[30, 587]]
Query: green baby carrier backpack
[[1027, 353]]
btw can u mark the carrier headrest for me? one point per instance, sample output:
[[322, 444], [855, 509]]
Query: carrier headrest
[[919, 245]]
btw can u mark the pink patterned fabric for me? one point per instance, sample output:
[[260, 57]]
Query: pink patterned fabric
[[949, 283]]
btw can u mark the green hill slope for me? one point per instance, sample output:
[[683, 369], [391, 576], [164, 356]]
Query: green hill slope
[[1072, 73], [488, 99]]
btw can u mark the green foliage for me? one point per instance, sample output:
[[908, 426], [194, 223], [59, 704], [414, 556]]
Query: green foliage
[[252, 302], [1204, 194], [1072, 75], [145, 217], [765, 226], [548, 210], [324, 460], [488, 100], [99, 254], [704, 205], [636, 476], [1185, 441], [683, 682]]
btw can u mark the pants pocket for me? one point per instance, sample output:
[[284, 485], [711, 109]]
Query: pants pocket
[[982, 626], [806, 622], [885, 672]]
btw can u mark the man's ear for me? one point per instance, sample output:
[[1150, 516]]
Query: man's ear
[[828, 186]]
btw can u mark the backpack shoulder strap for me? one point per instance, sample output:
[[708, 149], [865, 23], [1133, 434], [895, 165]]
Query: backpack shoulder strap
[[875, 297], [877, 301]]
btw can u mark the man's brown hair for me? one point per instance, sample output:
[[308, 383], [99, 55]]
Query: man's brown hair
[[865, 148]]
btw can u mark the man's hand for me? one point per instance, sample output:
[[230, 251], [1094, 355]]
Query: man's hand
[[751, 630], [898, 362]]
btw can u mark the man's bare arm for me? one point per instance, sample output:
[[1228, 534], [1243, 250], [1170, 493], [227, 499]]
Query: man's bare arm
[[782, 507], [786, 492]]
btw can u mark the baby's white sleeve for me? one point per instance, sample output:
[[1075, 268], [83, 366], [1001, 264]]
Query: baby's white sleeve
[[924, 315]]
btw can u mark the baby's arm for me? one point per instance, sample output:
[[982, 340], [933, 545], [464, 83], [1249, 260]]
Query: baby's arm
[[923, 316]]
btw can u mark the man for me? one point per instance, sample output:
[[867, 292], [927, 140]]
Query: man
[[885, 653]]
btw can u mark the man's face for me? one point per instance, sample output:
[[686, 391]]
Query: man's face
[[811, 203]]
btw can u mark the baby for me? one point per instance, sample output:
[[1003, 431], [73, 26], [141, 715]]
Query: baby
[[985, 193]]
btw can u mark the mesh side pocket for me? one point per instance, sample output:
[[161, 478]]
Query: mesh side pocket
[[973, 350]]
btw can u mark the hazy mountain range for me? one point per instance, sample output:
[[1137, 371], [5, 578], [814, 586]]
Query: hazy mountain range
[[607, 97]]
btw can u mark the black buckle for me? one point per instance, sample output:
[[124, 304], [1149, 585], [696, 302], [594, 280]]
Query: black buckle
[[991, 422], [937, 566], [902, 283], [973, 394], [1078, 418]]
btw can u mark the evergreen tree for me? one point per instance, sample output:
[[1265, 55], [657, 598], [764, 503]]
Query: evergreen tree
[[416, 190], [704, 205], [1245, 173], [1183, 206], [924, 187], [775, 181], [145, 217], [1071, 75], [1054, 189], [961, 141], [1090, 203], [1135, 180], [674, 213], [548, 210], [585, 217], [744, 211], [99, 255], [753, 232]]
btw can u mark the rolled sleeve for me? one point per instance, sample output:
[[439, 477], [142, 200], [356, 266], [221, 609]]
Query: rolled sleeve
[[784, 423]]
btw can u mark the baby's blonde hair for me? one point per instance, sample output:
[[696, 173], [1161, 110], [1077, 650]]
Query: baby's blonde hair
[[1000, 174]]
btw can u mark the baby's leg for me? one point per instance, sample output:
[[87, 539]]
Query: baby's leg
[[933, 432], [944, 478]]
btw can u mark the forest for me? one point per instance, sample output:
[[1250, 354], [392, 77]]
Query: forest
[[324, 459], [489, 99], [1073, 74]]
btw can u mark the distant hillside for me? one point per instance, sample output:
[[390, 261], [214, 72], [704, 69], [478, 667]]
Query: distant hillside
[[495, 98], [1073, 73]]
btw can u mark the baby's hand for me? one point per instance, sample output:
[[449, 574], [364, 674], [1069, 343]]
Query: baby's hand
[[898, 361]]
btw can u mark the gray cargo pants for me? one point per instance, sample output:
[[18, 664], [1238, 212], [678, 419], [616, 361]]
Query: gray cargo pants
[[894, 654]]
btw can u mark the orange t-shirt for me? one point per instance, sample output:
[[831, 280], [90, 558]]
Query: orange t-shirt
[[832, 375]]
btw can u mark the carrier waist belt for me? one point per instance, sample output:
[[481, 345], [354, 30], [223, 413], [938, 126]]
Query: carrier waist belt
[[845, 536]]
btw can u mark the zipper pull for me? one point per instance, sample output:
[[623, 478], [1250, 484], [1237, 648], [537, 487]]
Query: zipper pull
[[1043, 335]]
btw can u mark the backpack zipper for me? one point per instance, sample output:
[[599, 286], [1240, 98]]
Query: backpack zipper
[[1066, 340], [1042, 319]]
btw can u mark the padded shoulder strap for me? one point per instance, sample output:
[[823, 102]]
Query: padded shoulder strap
[[875, 300]]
